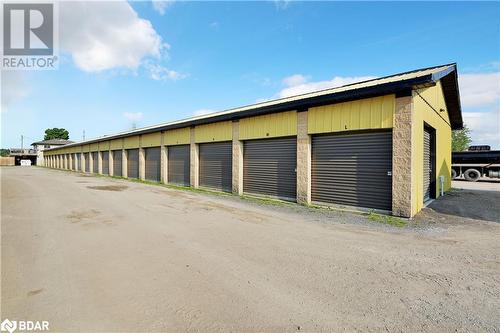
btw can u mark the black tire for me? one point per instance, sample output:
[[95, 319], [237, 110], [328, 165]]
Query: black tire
[[453, 174], [472, 175]]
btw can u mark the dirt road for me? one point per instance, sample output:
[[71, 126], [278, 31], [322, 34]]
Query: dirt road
[[93, 254]]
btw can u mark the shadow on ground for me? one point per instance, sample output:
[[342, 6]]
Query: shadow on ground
[[479, 205]]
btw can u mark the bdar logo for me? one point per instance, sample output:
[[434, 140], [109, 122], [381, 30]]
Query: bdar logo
[[8, 326]]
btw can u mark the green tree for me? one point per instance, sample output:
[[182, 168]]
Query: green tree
[[56, 133], [460, 139], [4, 152]]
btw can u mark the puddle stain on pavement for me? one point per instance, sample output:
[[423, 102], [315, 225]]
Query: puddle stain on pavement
[[114, 188], [78, 216], [34, 292]]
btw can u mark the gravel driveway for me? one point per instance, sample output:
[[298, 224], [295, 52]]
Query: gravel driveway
[[96, 254]]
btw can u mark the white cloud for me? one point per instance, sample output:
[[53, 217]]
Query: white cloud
[[202, 112], [281, 4], [214, 25], [133, 116], [13, 88], [484, 126], [480, 92], [107, 35], [297, 84], [160, 73], [161, 6], [294, 80], [480, 89]]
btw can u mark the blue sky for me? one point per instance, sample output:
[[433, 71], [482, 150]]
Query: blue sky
[[141, 63]]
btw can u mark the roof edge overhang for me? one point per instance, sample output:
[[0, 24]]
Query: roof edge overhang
[[400, 88], [451, 92]]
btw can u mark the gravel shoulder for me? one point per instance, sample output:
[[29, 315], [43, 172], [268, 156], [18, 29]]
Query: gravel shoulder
[[99, 254]]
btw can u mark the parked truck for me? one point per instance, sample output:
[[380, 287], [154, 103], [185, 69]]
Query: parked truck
[[476, 162]]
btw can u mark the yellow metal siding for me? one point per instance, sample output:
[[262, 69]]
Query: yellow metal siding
[[369, 113], [85, 148], [115, 144], [221, 131], [103, 145], [424, 113], [180, 136], [151, 139], [131, 142], [94, 146], [269, 126]]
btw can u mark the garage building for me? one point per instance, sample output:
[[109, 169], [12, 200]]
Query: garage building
[[382, 144]]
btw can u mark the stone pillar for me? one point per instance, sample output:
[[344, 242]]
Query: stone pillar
[[194, 161], [142, 164], [82, 159], [124, 163], [99, 162], [65, 161], [402, 190], [163, 161], [111, 162], [70, 161], [303, 160], [91, 163], [237, 160]]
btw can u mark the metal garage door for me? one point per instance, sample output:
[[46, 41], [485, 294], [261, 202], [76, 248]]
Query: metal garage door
[[269, 167], [178, 164], [427, 164], [153, 163], [216, 162], [87, 162], [117, 163], [133, 163], [95, 164], [105, 162], [353, 169]]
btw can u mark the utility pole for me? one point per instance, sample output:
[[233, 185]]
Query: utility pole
[[83, 135], [22, 141]]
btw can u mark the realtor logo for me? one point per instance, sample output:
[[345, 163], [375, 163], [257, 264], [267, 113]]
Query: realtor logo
[[29, 36]]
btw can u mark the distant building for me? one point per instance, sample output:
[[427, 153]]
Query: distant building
[[40, 146]]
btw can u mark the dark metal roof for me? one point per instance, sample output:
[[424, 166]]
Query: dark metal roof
[[400, 84], [53, 142]]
